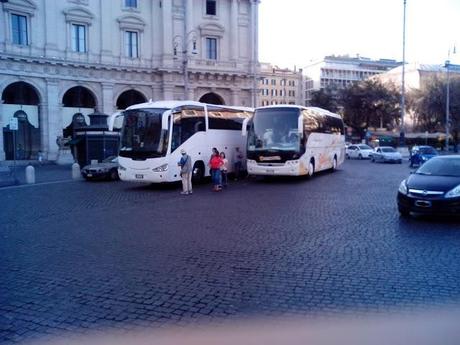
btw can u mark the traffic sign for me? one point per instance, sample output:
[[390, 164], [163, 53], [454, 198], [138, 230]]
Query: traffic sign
[[13, 124]]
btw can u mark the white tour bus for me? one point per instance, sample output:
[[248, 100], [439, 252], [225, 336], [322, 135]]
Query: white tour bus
[[154, 133], [293, 140]]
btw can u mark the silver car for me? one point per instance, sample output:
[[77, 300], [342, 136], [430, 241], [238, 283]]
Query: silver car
[[386, 154], [106, 170]]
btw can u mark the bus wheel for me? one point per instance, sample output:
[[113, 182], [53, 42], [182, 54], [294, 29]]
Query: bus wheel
[[311, 169], [198, 172], [334, 164]]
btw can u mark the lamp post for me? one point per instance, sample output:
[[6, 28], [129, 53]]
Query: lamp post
[[448, 98], [189, 39], [403, 83]]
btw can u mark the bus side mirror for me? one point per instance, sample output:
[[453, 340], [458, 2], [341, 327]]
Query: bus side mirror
[[164, 120], [244, 128], [300, 126]]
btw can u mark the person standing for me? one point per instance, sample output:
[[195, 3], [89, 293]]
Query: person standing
[[238, 163], [224, 169], [185, 164], [215, 164]]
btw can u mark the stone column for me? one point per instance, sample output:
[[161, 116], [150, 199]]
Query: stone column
[[234, 42], [107, 99], [236, 97], [168, 92], [50, 19], [167, 33], [2, 151], [254, 49], [106, 31], [157, 94], [44, 128], [53, 117]]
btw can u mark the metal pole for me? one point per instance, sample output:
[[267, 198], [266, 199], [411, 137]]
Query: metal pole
[[403, 86], [447, 103], [14, 157]]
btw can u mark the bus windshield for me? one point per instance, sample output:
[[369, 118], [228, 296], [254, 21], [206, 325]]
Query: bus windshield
[[142, 135], [274, 129]]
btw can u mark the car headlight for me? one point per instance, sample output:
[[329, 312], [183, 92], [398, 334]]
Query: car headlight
[[121, 167], [161, 168], [453, 193], [403, 187]]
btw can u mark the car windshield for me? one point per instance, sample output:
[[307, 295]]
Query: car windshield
[[428, 151], [388, 149], [365, 147], [441, 167], [110, 159], [274, 129], [142, 135]]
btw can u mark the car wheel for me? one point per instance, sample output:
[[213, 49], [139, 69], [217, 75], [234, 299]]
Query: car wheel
[[114, 175], [403, 211], [360, 156], [400, 161], [198, 172], [347, 156]]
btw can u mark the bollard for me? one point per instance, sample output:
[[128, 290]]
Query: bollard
[[30, 174], [76, 171]]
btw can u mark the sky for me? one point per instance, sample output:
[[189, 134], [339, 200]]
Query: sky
[[295, 32]]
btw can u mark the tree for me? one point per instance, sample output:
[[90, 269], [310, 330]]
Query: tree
[[370, 103], [429, 104], [325, 98]]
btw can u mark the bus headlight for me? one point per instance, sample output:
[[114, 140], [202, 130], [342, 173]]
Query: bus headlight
[[161, 168]]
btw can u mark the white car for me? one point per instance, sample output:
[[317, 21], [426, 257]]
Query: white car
[[386, 154], [360, 151]]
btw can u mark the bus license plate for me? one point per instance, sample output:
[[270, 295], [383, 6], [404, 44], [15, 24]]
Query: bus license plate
[[139, 176], [270, 171], [89, 175]]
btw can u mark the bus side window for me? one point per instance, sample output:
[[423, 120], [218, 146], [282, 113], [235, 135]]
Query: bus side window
[[187, 122]]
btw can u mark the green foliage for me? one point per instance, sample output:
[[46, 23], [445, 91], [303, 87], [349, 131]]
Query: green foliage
[[370, 103], [429, 104], [325, 98]]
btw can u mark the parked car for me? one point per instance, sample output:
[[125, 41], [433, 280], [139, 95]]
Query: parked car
[[433, 189], [420, 154], [386, 154], [107, 169], [360, 151]]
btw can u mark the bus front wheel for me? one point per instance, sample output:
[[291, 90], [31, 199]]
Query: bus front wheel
[[311, 169], [198, 172]]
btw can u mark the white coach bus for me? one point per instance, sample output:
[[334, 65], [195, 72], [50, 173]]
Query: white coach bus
[[154, 133], [294, 140]]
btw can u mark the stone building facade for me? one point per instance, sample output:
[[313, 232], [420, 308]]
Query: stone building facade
[[63, 59], [279, 85]]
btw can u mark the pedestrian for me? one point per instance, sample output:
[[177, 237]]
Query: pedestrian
[[214, 164], [224, 169], [185, 164], [238, 163], [40, 157]]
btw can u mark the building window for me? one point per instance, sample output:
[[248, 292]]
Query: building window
[[79, 38], [211, 7], [211, 48], [131, 3], [19, 29], [131, 44]]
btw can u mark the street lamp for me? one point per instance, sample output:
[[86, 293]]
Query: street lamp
[[448, 98], [403, 84], [190, 38]]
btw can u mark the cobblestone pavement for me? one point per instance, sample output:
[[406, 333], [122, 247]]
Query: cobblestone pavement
[[79, 256]]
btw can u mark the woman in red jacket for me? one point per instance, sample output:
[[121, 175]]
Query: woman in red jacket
[[215, 164]]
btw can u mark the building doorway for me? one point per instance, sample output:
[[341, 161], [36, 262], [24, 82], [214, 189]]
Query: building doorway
[[212, 98], [21, 102], [128, 98]]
